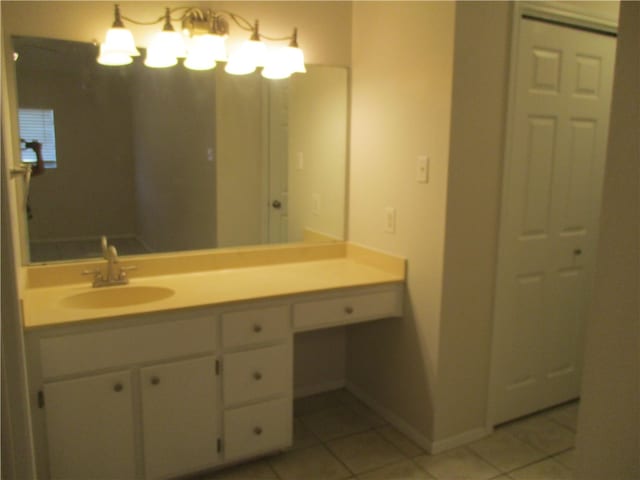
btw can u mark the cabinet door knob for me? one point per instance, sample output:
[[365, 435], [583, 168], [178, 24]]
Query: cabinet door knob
[[257, 328], [155, 380], [577, 251], [118, 387], [348, 310], [257, 430], [257, 376]]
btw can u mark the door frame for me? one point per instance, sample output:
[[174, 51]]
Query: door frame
[[551, 14]]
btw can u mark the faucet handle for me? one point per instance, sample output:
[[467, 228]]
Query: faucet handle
[[94, 272]]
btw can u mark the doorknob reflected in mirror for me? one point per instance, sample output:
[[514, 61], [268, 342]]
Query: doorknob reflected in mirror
[[276, 204]]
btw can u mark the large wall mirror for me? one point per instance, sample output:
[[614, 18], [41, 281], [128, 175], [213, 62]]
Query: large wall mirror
[[171, 160]]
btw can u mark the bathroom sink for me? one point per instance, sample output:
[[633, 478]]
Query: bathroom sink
[[111, 297]]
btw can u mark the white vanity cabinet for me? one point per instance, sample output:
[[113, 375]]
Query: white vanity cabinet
[[166, 394], [136, 401]]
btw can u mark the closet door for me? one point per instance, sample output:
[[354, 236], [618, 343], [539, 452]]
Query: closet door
[[550, 206]]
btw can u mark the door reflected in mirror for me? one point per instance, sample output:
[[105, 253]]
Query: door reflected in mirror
[[168, 160]]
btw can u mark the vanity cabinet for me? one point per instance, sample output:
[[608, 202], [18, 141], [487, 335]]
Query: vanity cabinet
[[165, 394], [134, 401]]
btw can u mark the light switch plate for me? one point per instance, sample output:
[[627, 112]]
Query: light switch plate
[[390, 220], [315, 203], [422, 169]]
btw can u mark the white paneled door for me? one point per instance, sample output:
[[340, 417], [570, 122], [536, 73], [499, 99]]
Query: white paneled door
[[550, 207]]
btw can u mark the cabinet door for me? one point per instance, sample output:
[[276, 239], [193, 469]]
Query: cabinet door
[[90, 427], [180, 416]]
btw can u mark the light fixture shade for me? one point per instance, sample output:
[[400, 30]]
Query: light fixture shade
[[199, 57], [113, 58], [164, 50], [247, 58], [120, 40], [217, 46], [294, 59], [276, 66]]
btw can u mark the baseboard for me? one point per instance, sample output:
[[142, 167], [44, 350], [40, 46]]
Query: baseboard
[[433, 447], [459, 440], [306, 391], [397, 422]]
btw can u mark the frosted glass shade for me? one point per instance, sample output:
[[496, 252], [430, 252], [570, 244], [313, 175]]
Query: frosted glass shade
[[113, 58], [250, 55], [276, 66], [164, 50], [294, 59], [120, 40], [204, 50]]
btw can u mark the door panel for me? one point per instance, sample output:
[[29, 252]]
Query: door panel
[[551, 198], [179, 416], [90, 427]]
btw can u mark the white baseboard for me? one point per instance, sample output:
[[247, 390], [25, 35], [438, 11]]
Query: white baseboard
[[433, 447], [459, 440], [391, 417], [308, 390]]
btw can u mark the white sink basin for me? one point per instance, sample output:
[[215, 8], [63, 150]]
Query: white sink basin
[[111, 297]]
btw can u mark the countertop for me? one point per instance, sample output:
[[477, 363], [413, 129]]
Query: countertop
[[356, 267]]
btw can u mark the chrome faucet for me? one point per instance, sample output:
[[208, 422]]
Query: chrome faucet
[[116, 274]]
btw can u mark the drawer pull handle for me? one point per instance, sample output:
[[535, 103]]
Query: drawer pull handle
[[257, 376], [257, 328], [257, 430], [118, 387], [155, 380], [348, 310]]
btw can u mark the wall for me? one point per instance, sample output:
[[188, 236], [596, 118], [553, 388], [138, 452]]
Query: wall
[[401, 108], [174, 131], [609, 421], [318, 132], [480, 85]]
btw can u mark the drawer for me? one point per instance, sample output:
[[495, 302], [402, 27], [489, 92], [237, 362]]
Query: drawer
[[257, 374], [257, 429], [348, 309], [84, 352], [255, 326]]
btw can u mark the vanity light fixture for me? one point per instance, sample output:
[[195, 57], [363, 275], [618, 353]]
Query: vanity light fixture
[[202, 44]]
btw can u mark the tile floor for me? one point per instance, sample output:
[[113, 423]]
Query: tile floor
[[336, 437]]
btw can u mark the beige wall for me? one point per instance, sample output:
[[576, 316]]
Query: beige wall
[[482, 48], [318, 131], [608, 442], [401, 108]]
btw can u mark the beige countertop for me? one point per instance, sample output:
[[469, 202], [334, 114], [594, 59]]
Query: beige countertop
[[353, 266]]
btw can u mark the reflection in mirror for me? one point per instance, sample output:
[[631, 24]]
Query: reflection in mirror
[[175, 159]]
